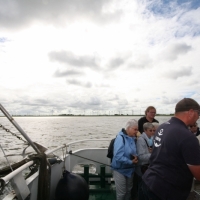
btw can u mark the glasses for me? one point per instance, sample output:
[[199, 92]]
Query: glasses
[[193, 126], [198, 111]]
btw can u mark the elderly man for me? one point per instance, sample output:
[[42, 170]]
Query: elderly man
[[175, 159]]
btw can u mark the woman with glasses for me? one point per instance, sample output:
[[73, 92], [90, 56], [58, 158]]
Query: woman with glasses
[[144, 149], [150, 114], [144, 145]]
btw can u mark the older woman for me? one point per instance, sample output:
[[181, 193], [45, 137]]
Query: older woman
[[124, 160], [144, 150], [144, 145]]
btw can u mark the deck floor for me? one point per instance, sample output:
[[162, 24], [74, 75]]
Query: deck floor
[[195, 194], [97, 193], [106, 196]]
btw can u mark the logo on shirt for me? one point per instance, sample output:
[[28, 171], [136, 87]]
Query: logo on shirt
[[160, 132], [157, 140]]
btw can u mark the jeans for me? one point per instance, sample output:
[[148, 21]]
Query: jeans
[[146, 193]]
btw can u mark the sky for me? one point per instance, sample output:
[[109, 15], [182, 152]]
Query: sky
[[98, 56]]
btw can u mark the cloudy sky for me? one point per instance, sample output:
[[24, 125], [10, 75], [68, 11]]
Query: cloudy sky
[[98, 56]]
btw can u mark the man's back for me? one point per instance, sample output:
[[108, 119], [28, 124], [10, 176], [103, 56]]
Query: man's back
[[168, 175]]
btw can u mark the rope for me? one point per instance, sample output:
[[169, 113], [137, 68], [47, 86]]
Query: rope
[[6, 157], [14, 134], [70, 152]]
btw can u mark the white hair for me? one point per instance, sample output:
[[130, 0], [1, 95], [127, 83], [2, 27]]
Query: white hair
[[131, 123], [147, 125]]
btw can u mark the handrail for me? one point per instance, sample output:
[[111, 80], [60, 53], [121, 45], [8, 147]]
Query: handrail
[[70, 143], [15, 172], [85, 140]]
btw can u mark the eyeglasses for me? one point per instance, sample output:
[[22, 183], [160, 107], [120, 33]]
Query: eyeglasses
[[193, 126], [198, 111]]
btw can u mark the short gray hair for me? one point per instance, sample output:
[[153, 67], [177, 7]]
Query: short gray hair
[[131, 123], [156, 124], [147, 125]]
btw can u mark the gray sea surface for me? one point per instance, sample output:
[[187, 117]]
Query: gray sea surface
[[52, 132]]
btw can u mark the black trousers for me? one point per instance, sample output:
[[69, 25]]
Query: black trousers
[[146, 193]]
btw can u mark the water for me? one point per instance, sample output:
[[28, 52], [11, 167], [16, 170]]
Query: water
[[55, 131]]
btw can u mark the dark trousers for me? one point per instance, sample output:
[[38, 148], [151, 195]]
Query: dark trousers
[[146, 194], [136, 192]]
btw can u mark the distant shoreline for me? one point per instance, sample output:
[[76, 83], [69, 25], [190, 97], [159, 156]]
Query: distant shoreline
[[71, 115]]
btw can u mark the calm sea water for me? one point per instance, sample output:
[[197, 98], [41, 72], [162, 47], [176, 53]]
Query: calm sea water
[[55, 131]]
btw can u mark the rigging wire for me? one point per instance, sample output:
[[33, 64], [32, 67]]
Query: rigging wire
[[6, 157]]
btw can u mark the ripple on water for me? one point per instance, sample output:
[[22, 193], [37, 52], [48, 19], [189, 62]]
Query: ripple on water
[[55, 131]]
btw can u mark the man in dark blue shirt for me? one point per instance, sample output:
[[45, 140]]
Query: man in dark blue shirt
[[175, 159]]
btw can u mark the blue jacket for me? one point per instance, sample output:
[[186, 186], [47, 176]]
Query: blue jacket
[[121, 161]]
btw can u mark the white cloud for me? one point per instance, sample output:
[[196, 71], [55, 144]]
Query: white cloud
[[98, 55]]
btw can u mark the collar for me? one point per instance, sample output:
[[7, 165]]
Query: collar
[[124, 131]]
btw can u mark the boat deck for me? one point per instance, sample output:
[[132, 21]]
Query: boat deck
[[195, 194], [101, 186], [97, 193]]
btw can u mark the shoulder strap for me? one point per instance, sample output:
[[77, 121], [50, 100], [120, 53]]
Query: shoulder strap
[[123, 139], [146, 142]]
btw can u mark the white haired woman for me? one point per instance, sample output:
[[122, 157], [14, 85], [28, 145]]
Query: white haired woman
[[124, 160]]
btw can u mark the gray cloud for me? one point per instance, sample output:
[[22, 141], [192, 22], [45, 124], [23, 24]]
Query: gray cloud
[[166, 101], [79, 83], [15, 14], [172, 52], [141, 62], [91, 103], [115, 63], [36, 102], [177, 73], [66, 57], [59, 74]]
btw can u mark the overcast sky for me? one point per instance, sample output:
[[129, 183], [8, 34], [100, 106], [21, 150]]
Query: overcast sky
[[98, 56]]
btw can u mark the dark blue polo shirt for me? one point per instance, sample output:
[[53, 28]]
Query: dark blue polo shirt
[[168, 175]]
